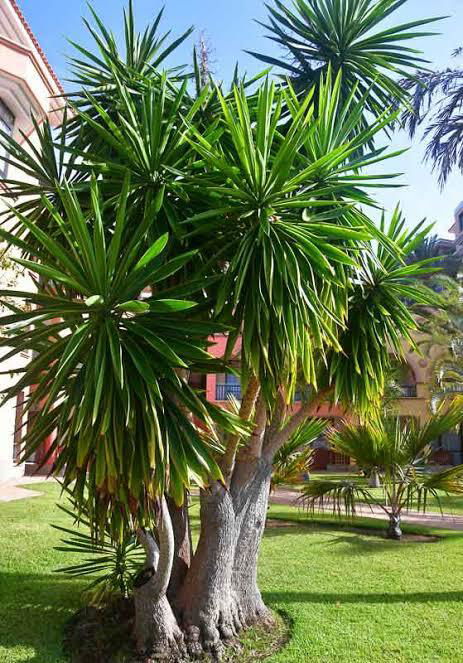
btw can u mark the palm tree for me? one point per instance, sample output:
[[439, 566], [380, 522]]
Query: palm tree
[[399, 452], [436, 102], [158, 219], [431, 249]]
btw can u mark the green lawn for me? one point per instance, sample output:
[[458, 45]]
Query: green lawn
[[349, 597]]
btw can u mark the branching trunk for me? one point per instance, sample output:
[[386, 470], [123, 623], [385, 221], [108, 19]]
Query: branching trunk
[[220, 595], [213, 593], [157, 633], [247, 406], [182, 547], [205, 605], [251, 500]]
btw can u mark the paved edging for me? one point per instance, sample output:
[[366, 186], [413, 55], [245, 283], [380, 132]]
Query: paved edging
[[18, 489]]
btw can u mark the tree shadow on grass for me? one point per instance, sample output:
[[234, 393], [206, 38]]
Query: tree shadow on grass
[[359, 535], [33, 611], [330, 598]]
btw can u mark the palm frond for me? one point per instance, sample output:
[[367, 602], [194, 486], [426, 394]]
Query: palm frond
[[341, 496], [293, 460], [437, 100]]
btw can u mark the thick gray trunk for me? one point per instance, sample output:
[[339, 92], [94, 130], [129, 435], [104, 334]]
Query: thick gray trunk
[[157, 634], [205, 606], [220, 595], [252, 502]]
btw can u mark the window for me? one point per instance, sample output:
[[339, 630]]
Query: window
[[6, 125], [227, 385], [460, 222]]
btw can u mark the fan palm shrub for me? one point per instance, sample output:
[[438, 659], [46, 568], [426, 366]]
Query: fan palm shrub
[[399, 452], [293, 460], [164, 218]]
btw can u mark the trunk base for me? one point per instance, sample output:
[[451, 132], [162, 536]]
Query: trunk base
[[394, 531], [157, 634], [91, 637], [214, 636], [374, 480]]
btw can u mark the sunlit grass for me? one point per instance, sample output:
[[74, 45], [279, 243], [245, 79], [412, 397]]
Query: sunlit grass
[[349, 597]]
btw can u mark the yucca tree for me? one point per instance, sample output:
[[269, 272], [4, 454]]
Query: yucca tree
[[171, 218], [399, 452], [108, 355], [384, 294], [350, 36]]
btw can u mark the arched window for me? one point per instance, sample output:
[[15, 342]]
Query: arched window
[[6, 125]]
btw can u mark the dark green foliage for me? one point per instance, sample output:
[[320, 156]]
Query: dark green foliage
[[160, 219], [114, 563]]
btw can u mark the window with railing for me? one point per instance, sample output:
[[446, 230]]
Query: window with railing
[[408, 390], [6, 125], [228, 386]]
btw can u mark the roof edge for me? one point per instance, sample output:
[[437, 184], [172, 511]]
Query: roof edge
[[40, 51]]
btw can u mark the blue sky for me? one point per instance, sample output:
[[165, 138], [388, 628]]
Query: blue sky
[[229, 28]]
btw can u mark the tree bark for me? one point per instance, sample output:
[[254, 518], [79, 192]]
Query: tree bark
[[394, 531], [205, 606], [157, 632], [251, 501], [214, 592], [220, 595], [182, 546]]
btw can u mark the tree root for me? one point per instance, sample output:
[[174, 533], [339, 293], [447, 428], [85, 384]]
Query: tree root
[[211, 629]]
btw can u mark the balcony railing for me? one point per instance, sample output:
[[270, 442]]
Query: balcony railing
[[454, 388], [223, 391], [408, 391]]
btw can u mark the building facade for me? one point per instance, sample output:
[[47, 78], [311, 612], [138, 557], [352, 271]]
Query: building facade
[[28, 87], [415, 378]]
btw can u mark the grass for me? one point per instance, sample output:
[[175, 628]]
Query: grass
[[348, 596]]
